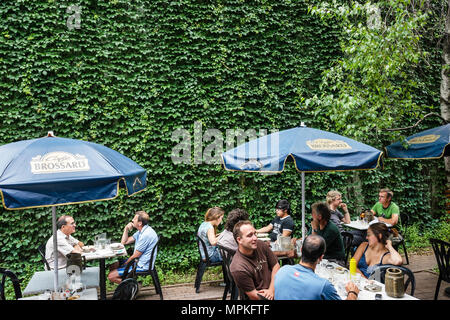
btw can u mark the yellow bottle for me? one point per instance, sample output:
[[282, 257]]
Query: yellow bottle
[[352, 266]]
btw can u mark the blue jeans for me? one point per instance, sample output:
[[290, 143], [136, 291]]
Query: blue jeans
[[215, 257]]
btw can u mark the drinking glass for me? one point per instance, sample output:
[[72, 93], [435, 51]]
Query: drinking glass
[[108, 244], [341, 288], [298, 245], [330, 273], [357, 280]]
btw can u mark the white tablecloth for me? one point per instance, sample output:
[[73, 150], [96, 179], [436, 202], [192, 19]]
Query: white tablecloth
[[340, 279], [88, 294], [43, 280], [361, 225]]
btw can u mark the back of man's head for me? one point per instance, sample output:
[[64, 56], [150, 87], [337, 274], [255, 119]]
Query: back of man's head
[[234, 217], [313, 248], [322, 209]]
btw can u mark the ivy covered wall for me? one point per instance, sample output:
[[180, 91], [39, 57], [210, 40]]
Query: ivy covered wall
[[127, 74]]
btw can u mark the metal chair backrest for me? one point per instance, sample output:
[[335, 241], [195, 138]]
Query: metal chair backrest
[[404, 221], [152, 263], [41, 250], [347, 238], [134, 262], [409, 275], [227, 256], [5, 273], [442, 253], [202, 244]]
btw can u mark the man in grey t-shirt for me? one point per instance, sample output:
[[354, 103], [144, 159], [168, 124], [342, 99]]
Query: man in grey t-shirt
[[334, 201]]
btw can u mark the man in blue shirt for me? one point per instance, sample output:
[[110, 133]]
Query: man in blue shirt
[[299, 282], [145, 240]]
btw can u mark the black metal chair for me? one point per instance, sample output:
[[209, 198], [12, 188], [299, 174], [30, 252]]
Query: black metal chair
[[407, 272], [151, 271], [5, 273], [205, 263], [442, 253], [404, 220], [230, 286], [347, 238], [41, 250], [126, 290]]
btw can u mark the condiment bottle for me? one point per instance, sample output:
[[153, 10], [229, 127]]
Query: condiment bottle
[[352, 266]]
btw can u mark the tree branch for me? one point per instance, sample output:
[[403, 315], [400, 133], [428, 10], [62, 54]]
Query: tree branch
[[415, 125]]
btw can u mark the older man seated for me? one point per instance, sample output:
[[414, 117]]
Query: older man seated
[[66, 243]]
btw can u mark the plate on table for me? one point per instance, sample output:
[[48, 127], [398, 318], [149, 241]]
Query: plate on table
[[339, 269], [116, 246], [88, 249], [372, 287]]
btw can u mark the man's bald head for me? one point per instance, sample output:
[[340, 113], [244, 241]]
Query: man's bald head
[[313, 248]]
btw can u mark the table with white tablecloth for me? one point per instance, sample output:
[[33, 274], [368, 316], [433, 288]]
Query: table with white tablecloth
[[42, 281], [339, 276]]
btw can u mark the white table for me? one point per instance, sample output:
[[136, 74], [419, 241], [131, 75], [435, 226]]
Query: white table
[[339, 280], [43, 280], [361, 225], [88, 294], [102, 255]]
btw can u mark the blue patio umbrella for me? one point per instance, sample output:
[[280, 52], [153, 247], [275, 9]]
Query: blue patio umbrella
[[312, 150], [429, 144], [53, 171]]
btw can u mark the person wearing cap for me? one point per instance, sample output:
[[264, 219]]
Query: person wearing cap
[[282, 224], [300, 282]]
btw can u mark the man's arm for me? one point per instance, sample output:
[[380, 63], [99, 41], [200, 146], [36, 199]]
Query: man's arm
[[288, 253], [272, 260], [126, 239], [253, 295], [287, 233], [265, 229], [136, 254], [346, 218], [270, 293], [392, 221], [77, 249]]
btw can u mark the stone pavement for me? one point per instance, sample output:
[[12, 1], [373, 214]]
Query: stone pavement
[[424, 267]]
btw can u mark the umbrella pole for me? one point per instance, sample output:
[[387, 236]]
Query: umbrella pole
[[303, 206], [55, 249]]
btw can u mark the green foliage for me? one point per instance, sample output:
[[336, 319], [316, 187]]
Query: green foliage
[[135, 71], [439, 229], [377, 82]]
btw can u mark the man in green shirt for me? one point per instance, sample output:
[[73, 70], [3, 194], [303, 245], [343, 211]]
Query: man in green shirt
[[385, 210], [322, 226]]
